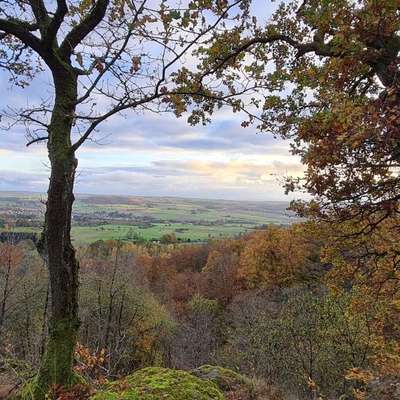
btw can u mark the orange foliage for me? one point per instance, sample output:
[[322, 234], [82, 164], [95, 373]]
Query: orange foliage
[[276, 257], [369, 265]]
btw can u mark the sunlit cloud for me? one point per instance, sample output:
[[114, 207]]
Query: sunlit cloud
[[155, 154]]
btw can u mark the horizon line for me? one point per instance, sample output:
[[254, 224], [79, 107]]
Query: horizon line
[[151, 196]]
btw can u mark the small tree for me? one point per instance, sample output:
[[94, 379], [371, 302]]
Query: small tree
[[301, 340], [168, 238], [129, 54], [10, 257]]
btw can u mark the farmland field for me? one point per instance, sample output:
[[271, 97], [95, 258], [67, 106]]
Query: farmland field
[[146, 218]]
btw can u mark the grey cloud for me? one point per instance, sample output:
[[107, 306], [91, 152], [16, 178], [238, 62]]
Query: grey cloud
[[151, 132], [155, 132], [164, 178], [138, 184], [16, 180]]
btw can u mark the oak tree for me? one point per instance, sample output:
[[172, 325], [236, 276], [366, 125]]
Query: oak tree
[[330, 75]]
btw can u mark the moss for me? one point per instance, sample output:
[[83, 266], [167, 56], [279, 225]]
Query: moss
[[22, 369], [226, 379], [30, 388], [56, 368], [160, 383]]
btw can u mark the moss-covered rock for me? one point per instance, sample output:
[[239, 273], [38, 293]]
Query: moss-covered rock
[[227, 380], [160, 383]]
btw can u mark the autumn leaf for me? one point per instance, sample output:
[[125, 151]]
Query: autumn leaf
[[136, 63], [79, 59], [99, 66]]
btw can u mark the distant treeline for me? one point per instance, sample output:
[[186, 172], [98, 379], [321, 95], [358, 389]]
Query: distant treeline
[[16, 237]]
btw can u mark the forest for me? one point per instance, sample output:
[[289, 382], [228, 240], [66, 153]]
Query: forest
[[307, 311], [302, 315]]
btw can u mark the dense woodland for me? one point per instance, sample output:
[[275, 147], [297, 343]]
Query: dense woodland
[[309, 311], [301, 317]]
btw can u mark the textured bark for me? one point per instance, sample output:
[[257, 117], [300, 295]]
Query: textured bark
[[56, 368], [5, 294]]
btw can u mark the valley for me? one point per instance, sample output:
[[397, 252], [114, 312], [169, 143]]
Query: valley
[[135, 218]]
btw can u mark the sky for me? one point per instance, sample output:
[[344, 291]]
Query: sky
[[155, 155]]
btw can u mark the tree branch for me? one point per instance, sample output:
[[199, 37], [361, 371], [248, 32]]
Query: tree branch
[[148, 99], [39, 139], [79, 32], [194, 41], [22, 31], [54, 26], [112, 112], [39, 11], [319, 48], [114, 59]]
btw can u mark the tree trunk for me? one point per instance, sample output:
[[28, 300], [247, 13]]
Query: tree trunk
[[5, 291], [57, 361]]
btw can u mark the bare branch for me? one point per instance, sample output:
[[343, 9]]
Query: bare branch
[[114, 59], [112, 112], [133, 104], [194, 41], [79, 32], [39, 139]]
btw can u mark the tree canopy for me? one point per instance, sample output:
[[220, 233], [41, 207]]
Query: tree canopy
[[322, 73], [329, 71]]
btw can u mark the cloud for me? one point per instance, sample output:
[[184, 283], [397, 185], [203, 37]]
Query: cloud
[[156, 154], [155, 132], [191, 178], [225, 170], [247, 178], [153, 157], [24, 181]]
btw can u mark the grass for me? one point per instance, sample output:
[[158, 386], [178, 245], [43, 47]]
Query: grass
[[191, 231], [89, 234], [114, 217]]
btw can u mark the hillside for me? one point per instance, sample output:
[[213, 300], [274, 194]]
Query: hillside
[[98, 217]]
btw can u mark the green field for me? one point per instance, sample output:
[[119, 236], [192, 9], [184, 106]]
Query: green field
[[89, 234], [123, 217]]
